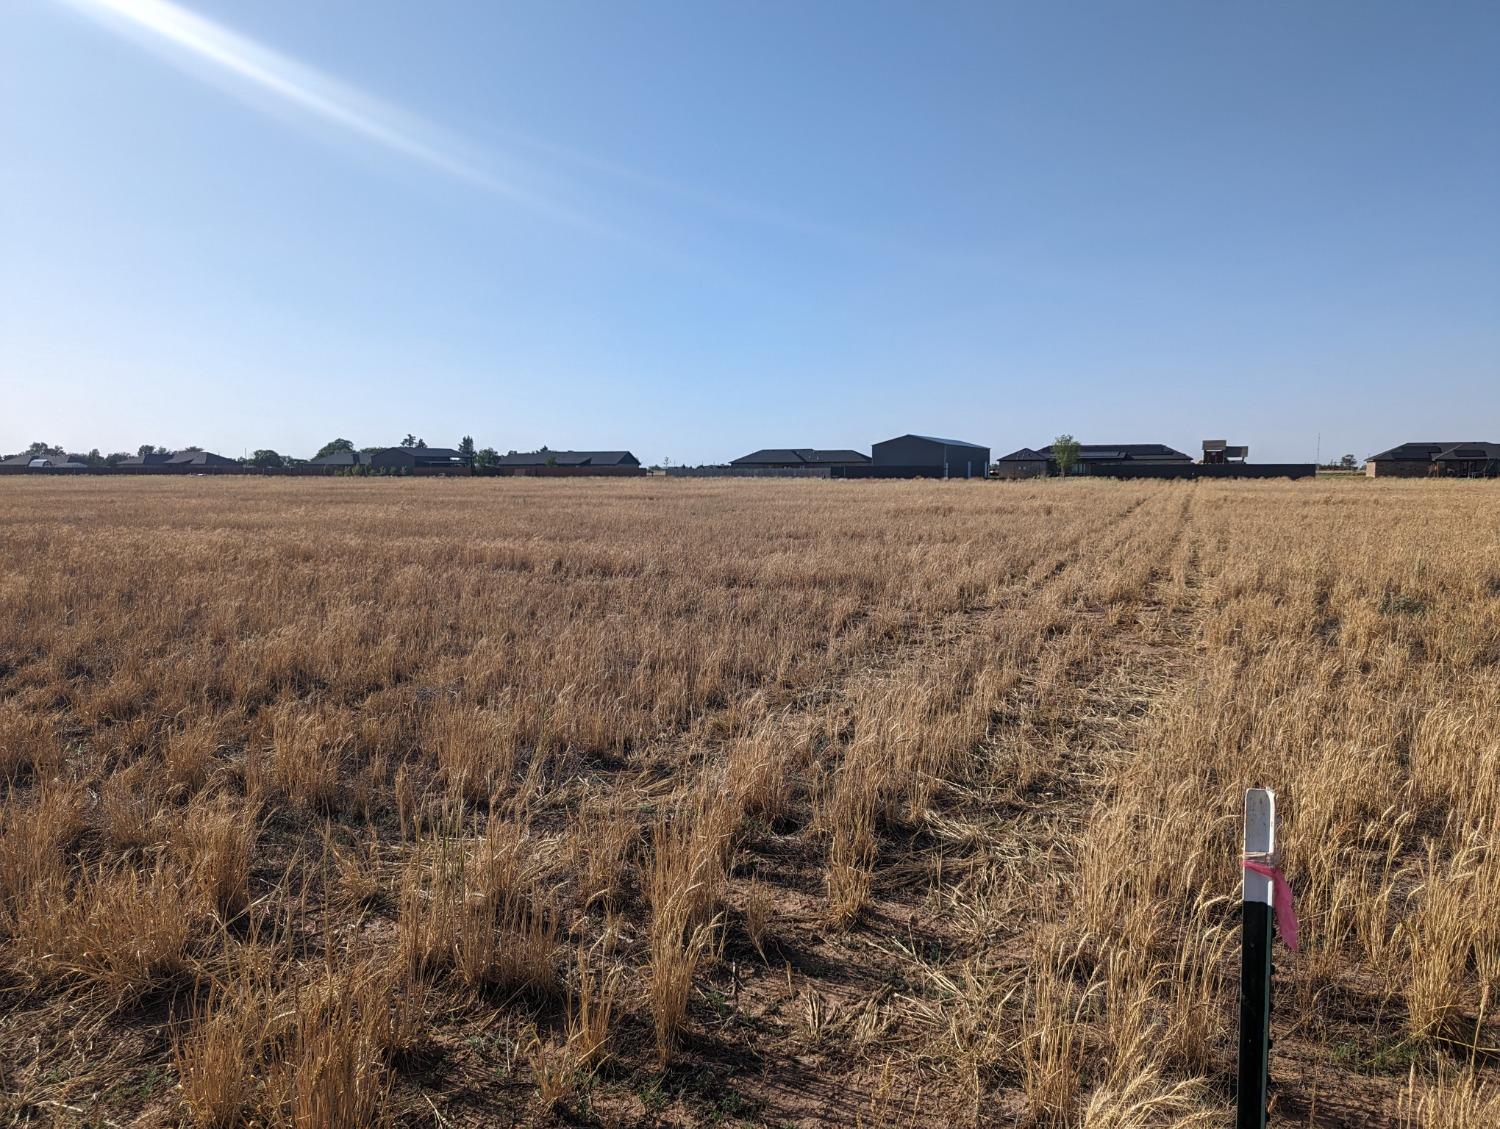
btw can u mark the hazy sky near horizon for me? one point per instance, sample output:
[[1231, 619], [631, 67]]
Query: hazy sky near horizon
[[696, 228]]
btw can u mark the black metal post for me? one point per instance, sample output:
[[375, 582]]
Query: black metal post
[[1255, 1015], [1253, 1092]]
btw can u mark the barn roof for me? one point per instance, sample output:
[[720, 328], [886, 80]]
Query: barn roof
[[945, 442], [1024, 455]]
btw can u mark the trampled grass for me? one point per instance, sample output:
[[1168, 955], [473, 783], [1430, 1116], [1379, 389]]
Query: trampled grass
[[682, 802]]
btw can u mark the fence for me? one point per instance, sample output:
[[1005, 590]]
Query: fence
[[1202, 470], [559, 471]]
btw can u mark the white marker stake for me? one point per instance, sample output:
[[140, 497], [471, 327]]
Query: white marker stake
[[1256, 915]]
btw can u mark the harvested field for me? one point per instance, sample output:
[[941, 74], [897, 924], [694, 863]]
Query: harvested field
[[679, 802]]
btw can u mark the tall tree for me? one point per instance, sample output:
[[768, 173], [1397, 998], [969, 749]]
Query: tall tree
[[466, 446], [409, 441], [267, 458], [334, 447], [1065, 453]]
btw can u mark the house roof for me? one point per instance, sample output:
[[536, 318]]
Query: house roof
[[1024, 455], [805, 456], [1423, 451], [198, 458], [1467, 451], [45, 462], [1113, 452], [567, 458], [153, 459], [342, 458]]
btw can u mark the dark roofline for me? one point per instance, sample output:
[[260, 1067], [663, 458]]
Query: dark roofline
[[618, 457], [1417, 450], [806, 456], [1122, 450], [939, 439]]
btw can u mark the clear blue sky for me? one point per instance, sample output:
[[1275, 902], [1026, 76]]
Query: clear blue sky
[[696, 228]]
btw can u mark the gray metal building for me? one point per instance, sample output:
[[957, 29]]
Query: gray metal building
[[934, 457]]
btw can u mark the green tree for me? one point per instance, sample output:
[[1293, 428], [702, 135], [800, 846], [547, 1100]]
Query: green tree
[[409, 441], [147, 449], [466, 446], [421, 444], [334, 447], [1349, 462], [43, 450], [1065, 453], [486, 456], [115, 458], [266, 459]]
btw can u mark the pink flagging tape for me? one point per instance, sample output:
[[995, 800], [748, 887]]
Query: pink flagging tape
[[1286, 917]]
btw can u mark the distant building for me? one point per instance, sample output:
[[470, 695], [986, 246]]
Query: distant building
[[771, 458], [185, 462], [1418, 460], [342, 459], [928, 456], [1469, 460], [428, 460], [154, 459], [1099, 458], [200, 460], [1024, 463], [545, 457], [1093, 454], [72, 463], [1217, 452]]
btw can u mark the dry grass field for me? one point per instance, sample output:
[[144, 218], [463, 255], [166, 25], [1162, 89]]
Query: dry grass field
[[677, 803]]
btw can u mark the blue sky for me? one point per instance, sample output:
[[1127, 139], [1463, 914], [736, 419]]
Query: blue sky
[[696, 228]]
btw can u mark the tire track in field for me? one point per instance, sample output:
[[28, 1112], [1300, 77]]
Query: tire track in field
[[862, 981]]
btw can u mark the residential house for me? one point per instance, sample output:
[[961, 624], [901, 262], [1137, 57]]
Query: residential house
[[797, 458], [1419, 460]]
